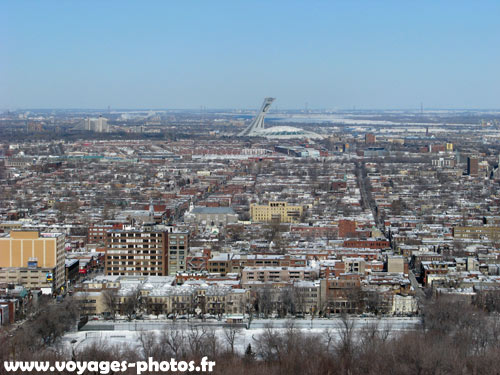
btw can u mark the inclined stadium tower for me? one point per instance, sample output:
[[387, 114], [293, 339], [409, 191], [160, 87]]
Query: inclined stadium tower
[[257, 129]]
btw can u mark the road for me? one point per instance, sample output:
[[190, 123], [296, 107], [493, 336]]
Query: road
[[419, 293], [394, 323], [368, 204]]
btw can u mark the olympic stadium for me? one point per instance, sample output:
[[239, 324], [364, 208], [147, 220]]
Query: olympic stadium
[[257, 129]]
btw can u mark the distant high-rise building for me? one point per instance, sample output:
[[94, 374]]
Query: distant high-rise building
[[370, 138], [34, 126], [472, 166], [99, 125], [88, 124], [102, 125]]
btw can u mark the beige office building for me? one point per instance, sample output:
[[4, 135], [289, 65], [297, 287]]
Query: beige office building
[[33, 259], [279, 212]]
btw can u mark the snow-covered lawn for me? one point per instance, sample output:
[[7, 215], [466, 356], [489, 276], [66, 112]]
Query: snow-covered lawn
[[127, 333]]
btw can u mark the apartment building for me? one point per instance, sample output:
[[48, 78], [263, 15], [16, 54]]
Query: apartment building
[[472, 166], [368, 244], [33, 259], [277, 274], [339, 294], [97, 233], [477, 232], [211, 216], [136, 252], [370, 138], [307, 296], [231, 263], [177, 252], [278, 212]]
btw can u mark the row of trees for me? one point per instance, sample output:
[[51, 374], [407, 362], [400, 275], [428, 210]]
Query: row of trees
[[454, 338], [47, 321], [266, 301]]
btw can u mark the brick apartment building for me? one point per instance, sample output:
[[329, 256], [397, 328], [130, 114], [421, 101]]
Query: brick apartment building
[[97, 233], [145, 252], [367, 244]]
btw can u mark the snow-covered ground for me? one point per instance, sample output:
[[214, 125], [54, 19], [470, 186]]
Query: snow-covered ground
[[127, 333]]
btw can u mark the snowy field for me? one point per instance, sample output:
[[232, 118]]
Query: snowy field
[[127, 333]]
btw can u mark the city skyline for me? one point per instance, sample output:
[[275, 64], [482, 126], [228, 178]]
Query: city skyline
[[338, 55]]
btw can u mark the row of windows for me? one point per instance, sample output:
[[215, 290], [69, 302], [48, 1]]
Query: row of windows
[[132, 263], [135, 235], [136, 269], [174, 262], [135, 257], [218, 270]]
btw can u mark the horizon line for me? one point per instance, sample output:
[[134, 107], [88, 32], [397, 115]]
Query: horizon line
[[108, 110]]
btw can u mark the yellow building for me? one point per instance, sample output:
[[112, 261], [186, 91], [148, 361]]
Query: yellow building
[[490, 232], [276, 212], [7, 226], [449, 147], [33, 259]]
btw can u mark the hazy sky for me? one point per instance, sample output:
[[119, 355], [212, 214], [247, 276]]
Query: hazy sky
[[231, 54]]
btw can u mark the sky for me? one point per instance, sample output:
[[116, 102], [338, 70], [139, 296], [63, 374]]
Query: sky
[[231, 54]]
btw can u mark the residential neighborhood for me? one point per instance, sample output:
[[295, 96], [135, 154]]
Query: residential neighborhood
[[166, 224]]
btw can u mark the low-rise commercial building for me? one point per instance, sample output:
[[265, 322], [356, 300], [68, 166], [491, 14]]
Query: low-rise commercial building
[[32, 259]]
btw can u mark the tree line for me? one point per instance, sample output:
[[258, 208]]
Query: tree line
[[455, 337]]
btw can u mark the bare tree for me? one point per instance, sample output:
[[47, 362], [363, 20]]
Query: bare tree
[[231, 332], [175, 341], [109, 301], [269, 345], [195, 339], [345, 345], [133, 303], [210, 342], [148, 343], [264, 301], [299, 300]]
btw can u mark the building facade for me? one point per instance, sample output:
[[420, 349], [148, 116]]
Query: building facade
[[370, 138], [477, 232], [472, 166], [211, 216], [32, 259], [177, 252], [279, 212], [136, 252]]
